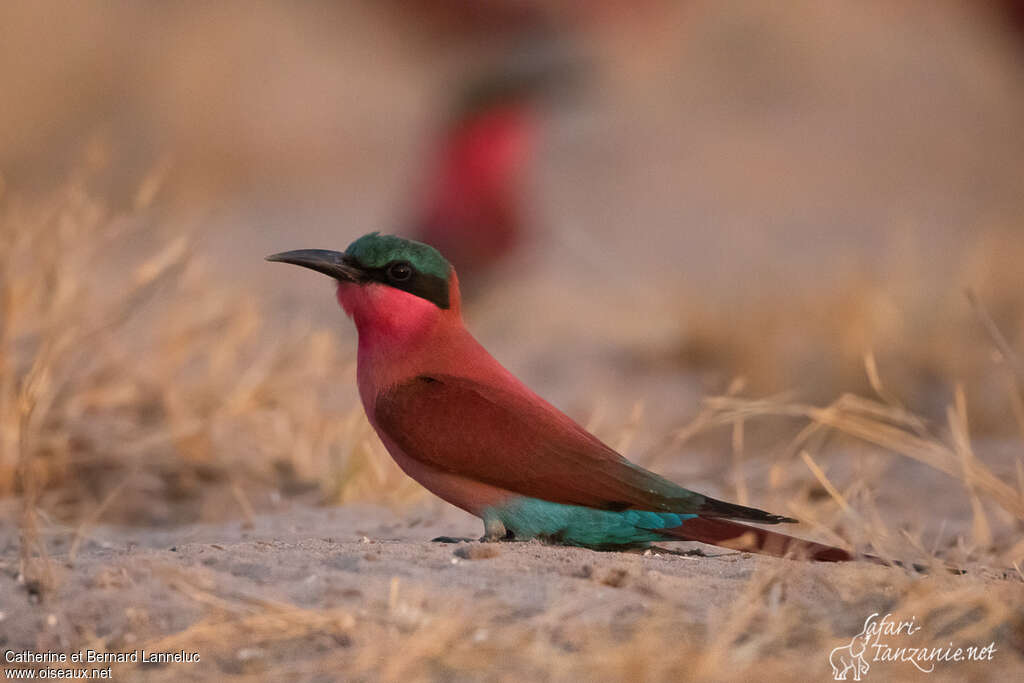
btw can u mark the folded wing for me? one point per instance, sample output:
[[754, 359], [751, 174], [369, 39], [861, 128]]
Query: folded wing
[[528, 447]]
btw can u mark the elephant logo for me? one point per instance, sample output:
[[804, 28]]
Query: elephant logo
[[847, 658]]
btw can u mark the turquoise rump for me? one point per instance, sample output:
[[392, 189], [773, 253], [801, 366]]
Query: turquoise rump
[[527, 518]]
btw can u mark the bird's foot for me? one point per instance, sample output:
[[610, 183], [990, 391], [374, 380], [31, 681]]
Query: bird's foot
[[451, 539], [694, 552]]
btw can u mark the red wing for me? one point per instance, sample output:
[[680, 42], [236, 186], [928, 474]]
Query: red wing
[[502, 439]]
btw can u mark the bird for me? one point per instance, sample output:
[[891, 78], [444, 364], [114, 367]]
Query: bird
[[473, 203], [463, 426]]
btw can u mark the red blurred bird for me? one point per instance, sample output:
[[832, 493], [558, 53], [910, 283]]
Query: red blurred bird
[[474, 206], [473, 209]]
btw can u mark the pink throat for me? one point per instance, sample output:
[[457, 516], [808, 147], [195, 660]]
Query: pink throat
[[400, 334], [388, 317]]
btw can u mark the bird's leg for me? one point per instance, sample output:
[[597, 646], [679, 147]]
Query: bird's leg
[[494, 530]]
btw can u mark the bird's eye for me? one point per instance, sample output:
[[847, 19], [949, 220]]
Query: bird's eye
[[399, 271]]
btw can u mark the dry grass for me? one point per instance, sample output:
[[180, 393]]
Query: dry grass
[[134, 388], [150, 394], [923, 332], [411, 634], [891, 429], [138, 388]]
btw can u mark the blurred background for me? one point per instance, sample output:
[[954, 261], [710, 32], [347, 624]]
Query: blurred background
[[650, 203]]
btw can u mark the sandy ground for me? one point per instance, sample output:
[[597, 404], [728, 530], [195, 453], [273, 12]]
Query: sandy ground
[[322, 592], [691, 174]]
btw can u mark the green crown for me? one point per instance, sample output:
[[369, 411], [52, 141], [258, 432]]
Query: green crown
[[376, 251]]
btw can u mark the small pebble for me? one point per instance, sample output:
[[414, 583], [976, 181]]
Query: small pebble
[[248, 653], [616, 578], [585, 572], [477, 551]]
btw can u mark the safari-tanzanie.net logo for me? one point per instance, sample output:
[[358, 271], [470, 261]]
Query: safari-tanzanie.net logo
[[887, 642]]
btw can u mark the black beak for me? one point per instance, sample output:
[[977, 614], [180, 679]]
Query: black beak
[[332, 263]]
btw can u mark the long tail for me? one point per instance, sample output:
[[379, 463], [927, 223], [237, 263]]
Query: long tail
[[737, 536], [727, 534]]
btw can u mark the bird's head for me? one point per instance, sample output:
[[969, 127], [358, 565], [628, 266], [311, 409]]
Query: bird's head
[[387, 284]]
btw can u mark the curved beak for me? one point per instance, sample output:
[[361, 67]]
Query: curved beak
[[332, 263]]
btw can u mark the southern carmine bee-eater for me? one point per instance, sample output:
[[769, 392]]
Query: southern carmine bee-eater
[[459, 423]]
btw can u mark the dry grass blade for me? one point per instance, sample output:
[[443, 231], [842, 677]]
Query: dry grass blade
[[108, 369], [93, 517], [996, 335], [819, 474], [879, 425]]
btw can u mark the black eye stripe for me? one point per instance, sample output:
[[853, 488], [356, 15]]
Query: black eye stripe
[[430, 287]]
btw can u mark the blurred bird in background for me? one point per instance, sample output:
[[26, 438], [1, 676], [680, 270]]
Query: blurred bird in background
[[473, 202]]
